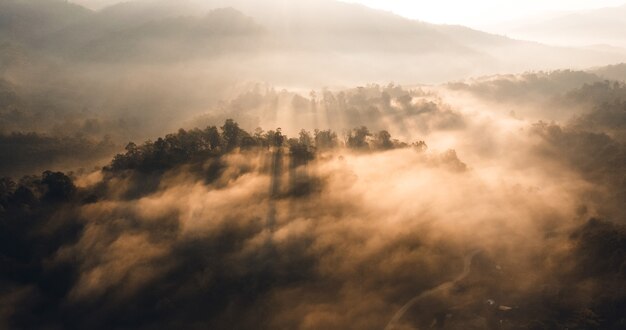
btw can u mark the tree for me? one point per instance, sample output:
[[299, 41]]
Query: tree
[[275, 138], [420, 145], [357, 138], [59, 186], [231, 134], [305, 138], [212, 137], [325, 139], [131, 148], [382, 140], [7, 187]]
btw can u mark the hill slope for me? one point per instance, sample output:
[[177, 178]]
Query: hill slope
[[344, 43]]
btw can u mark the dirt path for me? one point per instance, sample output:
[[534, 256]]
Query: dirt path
[[467, 267]]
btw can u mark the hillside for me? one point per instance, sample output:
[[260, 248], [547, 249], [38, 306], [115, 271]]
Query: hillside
[[31, 20], [337, 37]]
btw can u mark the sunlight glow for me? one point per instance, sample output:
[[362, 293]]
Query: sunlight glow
[[481, 12]]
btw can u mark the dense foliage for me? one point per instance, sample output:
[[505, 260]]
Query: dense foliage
[[192, 146]]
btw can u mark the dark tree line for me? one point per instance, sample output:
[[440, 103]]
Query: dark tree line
[[189, 146]]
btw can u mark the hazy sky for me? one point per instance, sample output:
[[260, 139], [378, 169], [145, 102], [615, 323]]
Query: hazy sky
[[473, 13], [481, 12]]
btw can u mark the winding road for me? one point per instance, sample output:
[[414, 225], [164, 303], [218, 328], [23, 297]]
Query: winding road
[[467, 265]]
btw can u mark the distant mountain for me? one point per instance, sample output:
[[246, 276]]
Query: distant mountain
[[112, 20], [285, 39], [301, 25], [606, 26], [30, 20], [220, 31]]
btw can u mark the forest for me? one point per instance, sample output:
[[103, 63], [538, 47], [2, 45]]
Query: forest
[[244, 164], [78, 254]]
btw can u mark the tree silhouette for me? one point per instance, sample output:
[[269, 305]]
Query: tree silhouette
[[357, 138], [59, 186], [231, 134], [382, 140], [325, 139], [196, 146]]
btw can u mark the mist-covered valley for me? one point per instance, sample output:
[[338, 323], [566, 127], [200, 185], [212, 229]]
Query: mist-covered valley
[[303, 165]]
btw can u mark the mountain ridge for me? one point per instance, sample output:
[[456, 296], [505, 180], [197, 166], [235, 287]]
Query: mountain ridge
[[329, 34]]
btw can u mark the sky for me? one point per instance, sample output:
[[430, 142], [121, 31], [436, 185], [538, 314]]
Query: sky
[[482, 12], [475, 13]]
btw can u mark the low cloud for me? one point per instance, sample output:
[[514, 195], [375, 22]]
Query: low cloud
[[377, 229]]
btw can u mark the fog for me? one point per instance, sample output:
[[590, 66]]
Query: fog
[[141, 69], [344, 237], [303, 165], [600, 28]]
